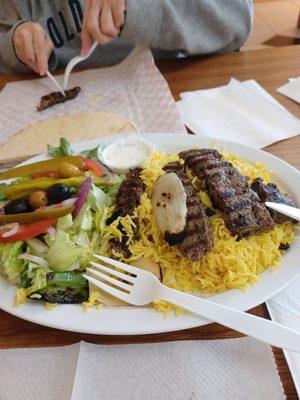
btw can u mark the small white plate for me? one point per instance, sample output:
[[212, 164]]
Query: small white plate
[[142, 320]]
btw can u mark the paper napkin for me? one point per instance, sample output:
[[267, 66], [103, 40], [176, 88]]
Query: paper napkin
[[237, 112], [192, 370], [285, 309], [291, 89]]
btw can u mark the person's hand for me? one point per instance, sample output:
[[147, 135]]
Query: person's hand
[[33, 46], [102, 22]]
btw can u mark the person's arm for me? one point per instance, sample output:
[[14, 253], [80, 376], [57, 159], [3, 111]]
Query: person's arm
[[24, 45], [190, 26], [9, 21]]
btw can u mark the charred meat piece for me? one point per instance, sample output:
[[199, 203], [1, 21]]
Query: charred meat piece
[[229, 191], [50, 100], [272, 193], [127, 199], [130, 191], [196, 238]]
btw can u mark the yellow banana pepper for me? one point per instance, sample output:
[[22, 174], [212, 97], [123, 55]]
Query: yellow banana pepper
[[21, 190], [37, 215], [41, 166]]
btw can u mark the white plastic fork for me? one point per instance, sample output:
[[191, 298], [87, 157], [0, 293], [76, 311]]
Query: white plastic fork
[[74, 61], [289, 211], [50, 76], [139, 287]]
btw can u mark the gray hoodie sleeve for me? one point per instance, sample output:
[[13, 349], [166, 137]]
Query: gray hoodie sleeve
[[12, 14], [190, 26], [9, 21]]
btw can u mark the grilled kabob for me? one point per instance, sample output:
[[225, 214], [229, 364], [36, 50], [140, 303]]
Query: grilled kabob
[[180, 214], [51, 99], [242, 209], [127, 199], [271, 192]]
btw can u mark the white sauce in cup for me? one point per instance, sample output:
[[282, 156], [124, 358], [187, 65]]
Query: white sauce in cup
[[124, 153]]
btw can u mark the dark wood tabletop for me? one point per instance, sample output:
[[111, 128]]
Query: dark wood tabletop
[[270, 68]]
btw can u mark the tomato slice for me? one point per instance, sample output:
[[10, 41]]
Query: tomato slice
[[93, 166], [47, 174], [27, 231]]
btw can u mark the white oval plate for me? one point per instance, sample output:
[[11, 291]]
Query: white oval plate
[[143, 320]]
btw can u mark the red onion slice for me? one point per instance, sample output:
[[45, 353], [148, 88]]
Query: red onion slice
[[52, 232], [12, 229], [68, 202], [34, 259], [82, 193]]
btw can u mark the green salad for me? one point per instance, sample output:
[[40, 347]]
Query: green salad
[[53, 215]]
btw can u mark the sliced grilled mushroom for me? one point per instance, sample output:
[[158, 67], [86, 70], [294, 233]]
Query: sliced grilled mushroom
[[169, 205], [148, 265]]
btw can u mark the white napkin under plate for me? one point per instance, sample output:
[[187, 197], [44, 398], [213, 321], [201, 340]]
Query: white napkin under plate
[[285, 309], [291, 89], [231, 369], [238, 113]]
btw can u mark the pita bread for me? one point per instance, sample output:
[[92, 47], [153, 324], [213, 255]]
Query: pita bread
[[75, 128]]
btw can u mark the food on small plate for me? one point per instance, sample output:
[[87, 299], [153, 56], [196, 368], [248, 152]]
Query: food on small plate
[[196, 220], [51, 99]]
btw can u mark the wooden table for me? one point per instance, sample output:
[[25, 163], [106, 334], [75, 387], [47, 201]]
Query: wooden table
[[271, 68]]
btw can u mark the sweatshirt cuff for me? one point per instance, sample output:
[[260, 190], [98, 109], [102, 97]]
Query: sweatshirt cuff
[[143, 22]]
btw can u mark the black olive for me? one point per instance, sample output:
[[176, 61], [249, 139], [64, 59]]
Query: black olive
[[17, 207], [58, 193], [210, 212]]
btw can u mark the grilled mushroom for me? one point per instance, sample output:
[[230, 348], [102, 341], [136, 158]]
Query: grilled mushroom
[[169, 205]]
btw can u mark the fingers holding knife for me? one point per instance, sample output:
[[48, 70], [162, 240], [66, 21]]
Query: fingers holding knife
[[33, 46]]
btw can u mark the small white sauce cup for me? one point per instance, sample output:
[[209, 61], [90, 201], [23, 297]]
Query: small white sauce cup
[[114, 152]]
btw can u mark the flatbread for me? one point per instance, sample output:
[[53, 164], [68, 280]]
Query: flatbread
[[74, 127]]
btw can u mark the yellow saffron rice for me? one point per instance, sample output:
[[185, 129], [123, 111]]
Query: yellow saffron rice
[[230, 264]]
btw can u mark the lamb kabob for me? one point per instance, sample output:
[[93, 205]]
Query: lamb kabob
[[242, 210], [243, 207], [127, 200]]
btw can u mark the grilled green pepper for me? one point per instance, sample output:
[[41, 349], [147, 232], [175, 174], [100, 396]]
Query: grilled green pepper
[[65, 288]]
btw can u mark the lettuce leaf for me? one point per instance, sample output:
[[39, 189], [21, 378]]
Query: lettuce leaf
[[84, 219], [98, 199], [10, 265], [63, 253], [64, 149], [92, 153]]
